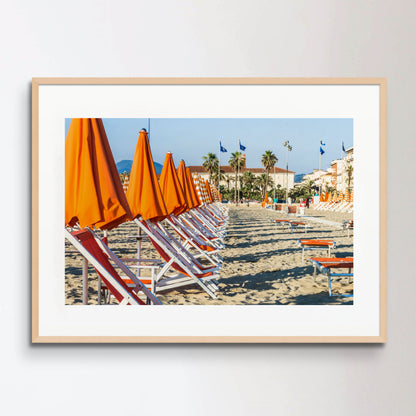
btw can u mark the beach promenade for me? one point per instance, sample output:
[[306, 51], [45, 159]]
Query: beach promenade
[[262, 262]]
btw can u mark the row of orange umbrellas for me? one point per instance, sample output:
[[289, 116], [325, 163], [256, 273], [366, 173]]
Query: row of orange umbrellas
[[334, 196], [94, 194]]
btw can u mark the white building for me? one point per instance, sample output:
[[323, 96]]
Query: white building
[[278, 175], [340, 174]]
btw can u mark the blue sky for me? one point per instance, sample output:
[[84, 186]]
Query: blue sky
[[190, 139]]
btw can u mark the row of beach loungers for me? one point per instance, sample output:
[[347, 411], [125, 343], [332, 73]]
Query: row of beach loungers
[[181, 216], [343, 206], [329, 266]]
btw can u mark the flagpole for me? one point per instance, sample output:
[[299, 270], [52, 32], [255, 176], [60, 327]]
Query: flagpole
[[320, 155], [238, 175], [219, 164]]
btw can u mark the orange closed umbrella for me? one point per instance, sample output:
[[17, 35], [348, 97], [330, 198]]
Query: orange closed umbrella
[[194, 194], [144, 195], [126, 183], [171, 188], [204, 192], [181, 171], [266, 198], [210, 200], [94, 195]]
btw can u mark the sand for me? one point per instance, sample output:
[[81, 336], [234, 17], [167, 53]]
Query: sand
[[262, 263]]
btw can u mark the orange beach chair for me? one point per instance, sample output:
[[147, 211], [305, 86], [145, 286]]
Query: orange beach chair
[[327, 265], [126, 290], [316, 245]]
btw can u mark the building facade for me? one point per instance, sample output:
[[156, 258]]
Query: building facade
[[279, 176], [340, 174]]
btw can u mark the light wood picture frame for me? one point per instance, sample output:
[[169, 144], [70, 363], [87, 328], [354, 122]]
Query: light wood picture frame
[[54, 99]]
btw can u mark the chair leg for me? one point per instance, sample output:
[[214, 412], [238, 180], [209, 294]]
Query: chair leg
[[329, 284], [99, 291]]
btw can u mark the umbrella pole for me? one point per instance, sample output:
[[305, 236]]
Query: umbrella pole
[[84, 281], [139, 251]]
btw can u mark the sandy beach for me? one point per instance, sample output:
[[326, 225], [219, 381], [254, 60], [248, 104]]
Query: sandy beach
[[262, 263]]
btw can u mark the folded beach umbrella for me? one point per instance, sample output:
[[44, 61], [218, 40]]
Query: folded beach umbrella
[[352, 195], [210, 200], [341, 196], [197, 187], [181, 171], [266, 198], [126, 183], [94, 195], [204, 193], [194, 194], [214, 193], [171, 188], [321, 197], [144, 195], [329, 197]]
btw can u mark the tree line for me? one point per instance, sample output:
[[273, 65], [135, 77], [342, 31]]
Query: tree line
[[251, 187]]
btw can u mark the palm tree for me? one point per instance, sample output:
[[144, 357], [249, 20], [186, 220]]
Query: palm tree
[[228, 179], [308, 187], [268, 160], [210, 164], [261, 182], [236, 162], [248, 181], [349, 170], [217, 179]]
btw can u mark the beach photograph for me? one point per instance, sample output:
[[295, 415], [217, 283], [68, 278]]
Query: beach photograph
[[204, 211]]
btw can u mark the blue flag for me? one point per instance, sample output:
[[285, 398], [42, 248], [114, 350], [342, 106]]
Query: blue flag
[[241, 146], [322, 143], [222, 148], [321, 150], [343, 148]]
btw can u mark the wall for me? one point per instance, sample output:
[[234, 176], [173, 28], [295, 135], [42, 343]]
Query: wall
[[323, 38]]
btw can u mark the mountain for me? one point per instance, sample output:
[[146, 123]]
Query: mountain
[[125, 166], [298, 177], [158, 167]]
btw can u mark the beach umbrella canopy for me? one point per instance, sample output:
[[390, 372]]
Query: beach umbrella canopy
[[171, 188], [144, 195], [94, 195], [126, 183], [204, 192], [194, 194], [210, 200], [181, 171], [198, 187]]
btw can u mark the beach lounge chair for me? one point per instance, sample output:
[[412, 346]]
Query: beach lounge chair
[[281, 223], [348, 225], [291, 224], [189, 270], [126, 290], [316, 245], [329, 266], [192, 240], [292, 209]]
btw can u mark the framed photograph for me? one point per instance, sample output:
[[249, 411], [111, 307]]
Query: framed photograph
[[208, 210]]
